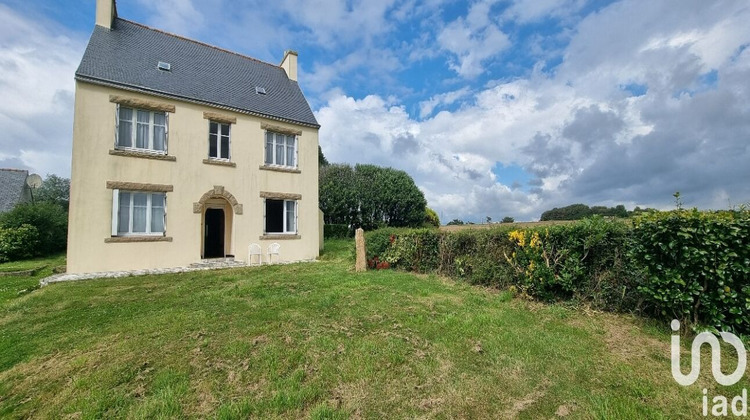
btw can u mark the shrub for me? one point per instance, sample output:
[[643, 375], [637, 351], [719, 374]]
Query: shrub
[[697, 266], [377, 241], [431, 218], [416, 249], [50, 220], [337, 231], [477, 256], [689, 265], [18, 243], [584, 261]]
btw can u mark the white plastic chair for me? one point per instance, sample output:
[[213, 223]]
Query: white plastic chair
[[254, 249], [273, 249]]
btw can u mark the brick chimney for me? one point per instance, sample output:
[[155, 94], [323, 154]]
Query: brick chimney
[[289, 64], [106, 11]]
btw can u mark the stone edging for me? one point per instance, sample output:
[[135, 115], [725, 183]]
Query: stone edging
[[22, 273], [64, 277]]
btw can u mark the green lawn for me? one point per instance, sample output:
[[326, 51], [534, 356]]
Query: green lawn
[[318, 340]]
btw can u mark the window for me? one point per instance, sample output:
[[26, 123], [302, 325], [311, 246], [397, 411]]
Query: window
[[281, 216], [281, 149], [218, 140], [141, 130], [138, 213]]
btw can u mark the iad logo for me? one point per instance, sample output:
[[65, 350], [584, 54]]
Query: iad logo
[[720, 405], [695, 350]]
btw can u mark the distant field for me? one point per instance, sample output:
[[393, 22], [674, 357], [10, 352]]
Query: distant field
[[453, 228]]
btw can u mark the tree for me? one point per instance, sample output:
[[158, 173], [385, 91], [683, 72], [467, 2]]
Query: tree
[[322, 161], [338, 194], [489, 220], [508, 219], [456, 222], [370, 197], [431, 218], [572, 212], [55, 190]]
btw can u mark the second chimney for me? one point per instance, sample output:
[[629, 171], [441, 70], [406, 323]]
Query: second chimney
[[289, 64]]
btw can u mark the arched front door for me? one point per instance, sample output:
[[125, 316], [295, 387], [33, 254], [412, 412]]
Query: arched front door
[[213, 233]]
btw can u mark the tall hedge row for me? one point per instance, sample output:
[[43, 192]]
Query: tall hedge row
[[690, 265]]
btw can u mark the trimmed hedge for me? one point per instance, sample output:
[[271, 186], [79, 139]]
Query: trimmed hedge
[[18, 243], [337, 231], [690, 265], [50, 221], [697, 266]]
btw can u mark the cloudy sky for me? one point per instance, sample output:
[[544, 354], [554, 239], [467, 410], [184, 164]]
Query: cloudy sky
[[496, 108]]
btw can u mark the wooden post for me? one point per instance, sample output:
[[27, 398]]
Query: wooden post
[[359, 240]]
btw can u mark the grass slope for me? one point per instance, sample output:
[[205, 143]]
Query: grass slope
[[317, 340]]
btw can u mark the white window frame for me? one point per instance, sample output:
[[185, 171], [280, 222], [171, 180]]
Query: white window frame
[[218, 141], [116, 213], [278, 138], [284, 217], [134, 131]]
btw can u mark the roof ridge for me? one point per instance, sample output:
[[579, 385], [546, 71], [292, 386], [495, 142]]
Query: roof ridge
[[247, 57], [14, 170]]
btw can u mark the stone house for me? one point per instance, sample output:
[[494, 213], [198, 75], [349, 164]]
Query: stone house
[[184, 152]]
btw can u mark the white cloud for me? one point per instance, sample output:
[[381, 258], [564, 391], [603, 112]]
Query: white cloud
[[447, 98], [39, 59], [532, 10], [177, 16], [473, 40], [576, 129]]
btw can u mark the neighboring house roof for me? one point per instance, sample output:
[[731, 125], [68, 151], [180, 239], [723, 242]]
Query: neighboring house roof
[[127, 57], [12, 187]]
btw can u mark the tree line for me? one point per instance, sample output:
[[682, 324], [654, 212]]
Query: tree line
[[582, 211]]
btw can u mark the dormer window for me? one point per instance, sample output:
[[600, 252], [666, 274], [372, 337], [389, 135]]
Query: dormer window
[[164, 66], [260, 91]]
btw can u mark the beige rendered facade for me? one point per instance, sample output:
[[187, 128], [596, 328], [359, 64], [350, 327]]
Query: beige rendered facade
[[187, 176]]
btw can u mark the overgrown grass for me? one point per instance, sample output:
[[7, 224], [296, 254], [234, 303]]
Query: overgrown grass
[[316, 340]]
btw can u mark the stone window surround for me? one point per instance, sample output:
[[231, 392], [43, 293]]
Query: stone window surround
[[280, 169], [148, 104], [280, 129], [219, 118], [278, 237], [220, 162], [137, 186], [280, 196], [144, 155]]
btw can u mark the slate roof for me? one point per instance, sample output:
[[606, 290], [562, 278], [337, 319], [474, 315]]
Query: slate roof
[[127, 57], [12, 185]]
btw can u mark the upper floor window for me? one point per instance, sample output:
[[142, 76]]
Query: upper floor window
[[281, 149], [141, 129], [218, 140]]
